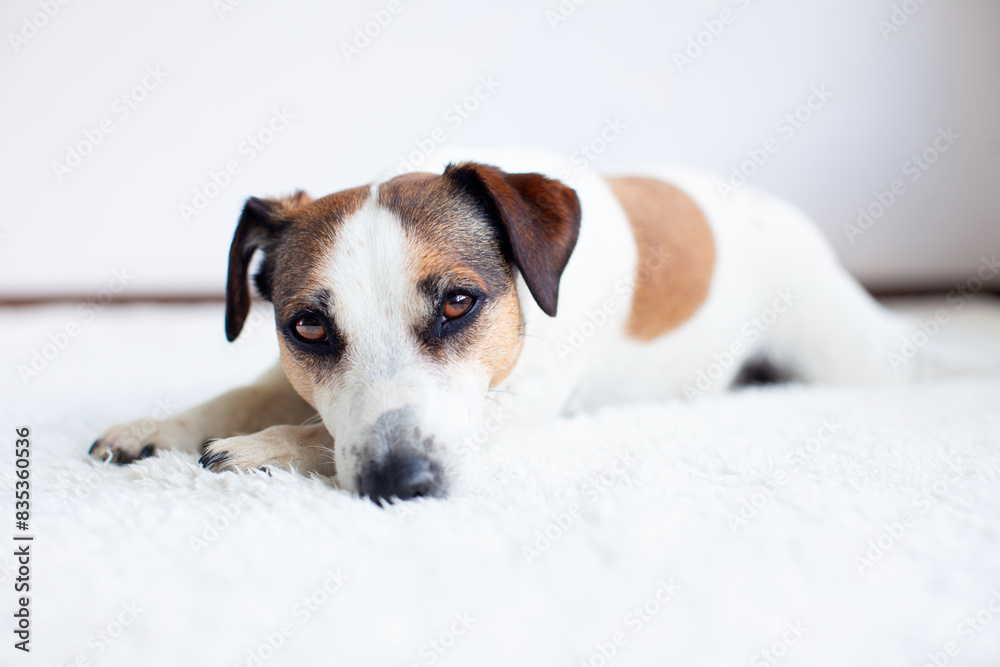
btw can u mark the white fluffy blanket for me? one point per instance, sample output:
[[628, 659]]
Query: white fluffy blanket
[[787, 525]]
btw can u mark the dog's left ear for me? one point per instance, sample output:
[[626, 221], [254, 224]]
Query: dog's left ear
[[259, 225], [540, 218]]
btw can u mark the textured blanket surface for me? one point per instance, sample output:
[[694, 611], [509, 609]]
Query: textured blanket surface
[[786, 525]]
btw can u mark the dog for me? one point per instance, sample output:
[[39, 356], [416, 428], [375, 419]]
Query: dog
[[514, 280]]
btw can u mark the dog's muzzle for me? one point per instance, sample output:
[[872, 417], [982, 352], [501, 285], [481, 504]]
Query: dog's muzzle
[[401, 467]]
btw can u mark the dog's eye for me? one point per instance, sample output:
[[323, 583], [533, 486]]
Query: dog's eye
[[457, 305], [309, 329]]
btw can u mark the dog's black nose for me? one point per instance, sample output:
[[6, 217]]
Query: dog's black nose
[[402, 475]]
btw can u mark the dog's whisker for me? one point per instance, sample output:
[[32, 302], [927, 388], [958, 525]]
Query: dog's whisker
[[503, 391], [312, 421]]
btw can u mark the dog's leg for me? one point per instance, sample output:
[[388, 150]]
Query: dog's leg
[[840, 335], [302, 448], [832, 330], [269, 401]]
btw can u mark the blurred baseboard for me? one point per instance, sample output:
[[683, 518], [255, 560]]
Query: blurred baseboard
[[117, 299], [880, 292]]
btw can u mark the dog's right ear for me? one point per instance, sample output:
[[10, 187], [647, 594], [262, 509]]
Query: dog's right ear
[[260, 223]]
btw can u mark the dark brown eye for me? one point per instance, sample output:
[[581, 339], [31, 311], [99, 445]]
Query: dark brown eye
[[308, 328], [457, 305]]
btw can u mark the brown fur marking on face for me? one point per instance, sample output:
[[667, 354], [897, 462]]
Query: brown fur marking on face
[[455, 245], [676, 254], [300, 380], [300, 237], [502, 348], [450, 227], [306, 234]]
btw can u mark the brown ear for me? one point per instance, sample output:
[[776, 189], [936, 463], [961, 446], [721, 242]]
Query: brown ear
[[539, 216], [258, 226]]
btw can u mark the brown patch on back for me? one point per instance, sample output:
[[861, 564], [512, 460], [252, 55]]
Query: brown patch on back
[[676, 254]]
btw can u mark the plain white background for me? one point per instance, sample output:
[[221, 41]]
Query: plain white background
[[558, 84]]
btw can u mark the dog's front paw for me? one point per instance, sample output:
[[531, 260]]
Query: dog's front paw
[[130, 442], [257, 451]]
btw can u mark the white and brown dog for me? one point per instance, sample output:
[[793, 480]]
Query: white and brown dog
[[402, 307]]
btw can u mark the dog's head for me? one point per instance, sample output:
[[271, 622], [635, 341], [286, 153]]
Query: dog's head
[[397, 310]]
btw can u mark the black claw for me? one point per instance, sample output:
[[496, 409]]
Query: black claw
[[93, 447], [147, 451], [207, 460], [122, 458]]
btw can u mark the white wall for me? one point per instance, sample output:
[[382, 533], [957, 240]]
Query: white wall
[[557, 87]]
